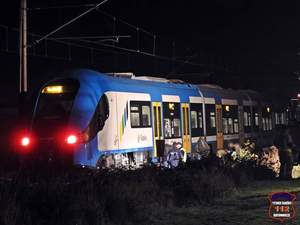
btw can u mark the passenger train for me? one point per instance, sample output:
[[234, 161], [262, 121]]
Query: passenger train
[[110, 119]]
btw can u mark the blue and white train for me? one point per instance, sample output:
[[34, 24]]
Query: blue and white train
[[119, 120]]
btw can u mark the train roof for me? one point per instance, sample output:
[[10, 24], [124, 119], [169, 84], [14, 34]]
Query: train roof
[[99, 81], [156, 87]]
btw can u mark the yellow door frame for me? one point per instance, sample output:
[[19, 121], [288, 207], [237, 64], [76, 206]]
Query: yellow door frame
[[186, 134], [157, 124], [219, 130]]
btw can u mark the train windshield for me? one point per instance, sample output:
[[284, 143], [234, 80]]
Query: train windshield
[[54, 107], [55, 103]]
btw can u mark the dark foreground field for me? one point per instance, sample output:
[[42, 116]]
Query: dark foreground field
[[190, 195], [244, 206]]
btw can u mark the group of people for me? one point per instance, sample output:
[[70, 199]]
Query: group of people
[[177, 154], [288, 152]]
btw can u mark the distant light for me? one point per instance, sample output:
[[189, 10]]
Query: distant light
[[227, 108], [57, 89], [268, 109], [298, 95], [71, 139], [25, 141]]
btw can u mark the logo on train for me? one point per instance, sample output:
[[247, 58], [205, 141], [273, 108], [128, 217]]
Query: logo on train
[[282, 206]]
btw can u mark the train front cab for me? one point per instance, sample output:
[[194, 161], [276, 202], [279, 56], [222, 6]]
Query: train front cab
[[67, 120], [49, 126]]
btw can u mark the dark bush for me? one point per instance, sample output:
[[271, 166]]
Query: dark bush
[[82, 196]]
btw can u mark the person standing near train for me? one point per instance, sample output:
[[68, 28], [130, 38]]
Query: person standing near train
[[284, 142]]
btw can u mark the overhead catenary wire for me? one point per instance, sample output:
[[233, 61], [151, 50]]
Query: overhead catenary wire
[[109, 48], [90, 5], [71, 21], [61, 7], [138, 30], [68, 43], [115, 19], [142, 53], [80, 44], [89, 37], [125, 22]]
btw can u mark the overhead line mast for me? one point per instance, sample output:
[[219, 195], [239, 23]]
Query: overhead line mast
[[23, 83]]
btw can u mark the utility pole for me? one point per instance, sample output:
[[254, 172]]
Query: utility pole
[[23, 83], [23, 48]]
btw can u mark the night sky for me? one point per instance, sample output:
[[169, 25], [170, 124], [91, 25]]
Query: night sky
[[237, 43]]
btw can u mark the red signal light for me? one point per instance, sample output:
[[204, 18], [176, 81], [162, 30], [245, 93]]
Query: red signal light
[[72, 139], [25, 141]]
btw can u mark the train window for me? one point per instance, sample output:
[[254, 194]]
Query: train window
[[225, 126], [212, 119], [176, 128], [56, 105], [267, 119], [140, 115], [230, 119], [236, 126], [194, 119], [146, 115], [264, 123], [246, 122], [277, 119], [135, 119], [200, 119], [210, 111], [172, 122], [168, 132], [230, 125], [283, 118], [270, 123], [249, 119], [256, 119]]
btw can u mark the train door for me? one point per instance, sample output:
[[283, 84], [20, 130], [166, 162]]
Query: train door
[[241, 123], [186, 136], [157, 128], [220, 137]]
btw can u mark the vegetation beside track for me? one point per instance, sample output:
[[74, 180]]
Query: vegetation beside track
[[199, 193]]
